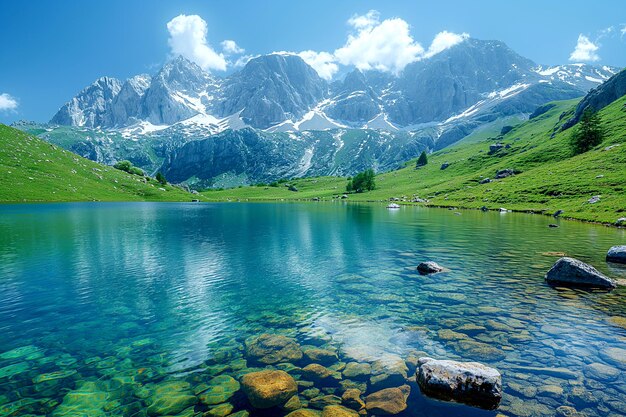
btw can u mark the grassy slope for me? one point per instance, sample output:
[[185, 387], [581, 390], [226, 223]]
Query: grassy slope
[[33, 170], [550, 178]]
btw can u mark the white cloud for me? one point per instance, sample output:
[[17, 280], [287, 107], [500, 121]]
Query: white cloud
[[188, 38], [585, 51], [322, 62], [7, 103], [230, 47], [386, 45], [623, 31], [444, 40], [367, 20], [243, 60]]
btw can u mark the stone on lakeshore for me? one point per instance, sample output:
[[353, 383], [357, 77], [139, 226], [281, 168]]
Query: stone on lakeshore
[[467, 382], [430, 267], [322, 356], [267, 389], [389, 401], [219, 390], [553, 391], [570, 271], [338, 411], [352, 398], [169, 398], [617, 254], [310, 393], [20, 352], [270, 349], [358, 371]]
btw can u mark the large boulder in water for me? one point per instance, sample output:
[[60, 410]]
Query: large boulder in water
[[266, 389], [430, 267], [272, 348], [471, 383], [617, 254], [572, 272]]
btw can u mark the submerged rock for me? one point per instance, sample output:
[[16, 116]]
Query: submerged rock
[[570, 271], [468, 382], [352, 398], [338, 411], [323, 356], [267, 389], [388, 401], [270, 349], [220, 389], [357, 371], [317, 373], [617, 254], [430, 267], [304, 412]]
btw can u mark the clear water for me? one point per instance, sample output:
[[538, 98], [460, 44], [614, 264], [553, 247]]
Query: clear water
[[111, 300]]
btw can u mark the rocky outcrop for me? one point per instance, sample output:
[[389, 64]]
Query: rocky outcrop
[[269, 349], [430, 267], [471, 383], [600, 97], [572, 272], [90, 108], [266, 389], [389, 401], [617, 254]]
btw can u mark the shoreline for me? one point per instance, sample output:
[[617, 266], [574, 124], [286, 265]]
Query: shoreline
[[321, 200]]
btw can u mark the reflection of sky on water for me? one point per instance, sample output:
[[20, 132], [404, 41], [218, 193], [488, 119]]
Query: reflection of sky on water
[[193, 275]]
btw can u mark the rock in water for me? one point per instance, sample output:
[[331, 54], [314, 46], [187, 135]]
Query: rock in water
[[429, 267], [271, 348], [266, 389], [471, 383], [572, 272], [617, 254], [388, 401]]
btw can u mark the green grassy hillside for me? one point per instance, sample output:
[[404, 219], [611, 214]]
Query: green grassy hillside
[[548, 177], [32, 170]]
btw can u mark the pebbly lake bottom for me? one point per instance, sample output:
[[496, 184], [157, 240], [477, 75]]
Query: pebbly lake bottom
[[146, 309]]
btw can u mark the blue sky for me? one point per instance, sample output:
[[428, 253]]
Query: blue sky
[[52, 49]]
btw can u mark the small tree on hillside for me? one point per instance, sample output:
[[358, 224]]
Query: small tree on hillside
[[363, 181], [422, 160], [161, 178], [589, 132]]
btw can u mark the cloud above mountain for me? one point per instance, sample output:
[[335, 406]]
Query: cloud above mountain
[[372, 43], [385, 45], [7, 103], [188, 38], [585, 50]]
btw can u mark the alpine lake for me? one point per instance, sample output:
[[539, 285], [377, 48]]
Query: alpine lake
[[148, 309]]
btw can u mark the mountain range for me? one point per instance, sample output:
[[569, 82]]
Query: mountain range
[[277, 117]]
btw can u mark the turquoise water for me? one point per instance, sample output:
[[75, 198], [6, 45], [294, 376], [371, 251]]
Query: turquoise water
[[102, 304]]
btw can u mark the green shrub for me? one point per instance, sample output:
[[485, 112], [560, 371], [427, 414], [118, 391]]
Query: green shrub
[[588, 133]]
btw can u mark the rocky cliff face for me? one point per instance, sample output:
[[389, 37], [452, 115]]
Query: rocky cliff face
[[278, 91], [600, 97], [92, 106], [271, 89], [249, 156]]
